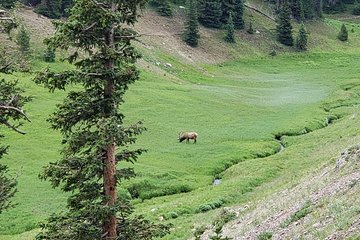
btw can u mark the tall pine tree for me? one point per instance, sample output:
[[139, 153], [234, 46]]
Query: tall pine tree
[[210, 13], [95, 137], [297, 10], [238, 14], [191, 36], [284, 28]]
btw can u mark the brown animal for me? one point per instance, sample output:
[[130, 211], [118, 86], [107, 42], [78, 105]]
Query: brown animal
[[187, 136]]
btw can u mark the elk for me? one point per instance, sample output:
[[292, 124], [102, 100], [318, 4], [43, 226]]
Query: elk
[[187, 136]]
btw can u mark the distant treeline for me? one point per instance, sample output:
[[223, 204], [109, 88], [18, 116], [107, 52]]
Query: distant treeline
[[212, 13], [48, 8]]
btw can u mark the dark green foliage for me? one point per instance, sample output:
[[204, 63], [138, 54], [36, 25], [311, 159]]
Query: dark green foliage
[[284, 28], [23, 39], [250, 30], [332, 7], [162, 7], [210, 13], [301, 39], [230, 30], [218, 232], [297, 10], [356, 10], [238, 14], [309, 8], [211, 205], [95, 138], [343, 34], [264, 236], [191, 35], [50, 8], [49, 55], [11, 115], [7, 3], [227, 7]]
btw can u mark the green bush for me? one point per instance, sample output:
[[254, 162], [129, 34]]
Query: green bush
[[356, 10], [264, 236], [49, 55]]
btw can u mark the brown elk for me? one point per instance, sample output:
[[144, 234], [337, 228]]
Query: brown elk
[[187, 136]]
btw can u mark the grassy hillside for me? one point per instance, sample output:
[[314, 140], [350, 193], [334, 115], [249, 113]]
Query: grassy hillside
[[241, 102]]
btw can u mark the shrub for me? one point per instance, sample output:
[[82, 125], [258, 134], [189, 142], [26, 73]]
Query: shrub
[[343, 34], [305, 210], [264, 236], [250, 29], [49, 55], [356, 10]]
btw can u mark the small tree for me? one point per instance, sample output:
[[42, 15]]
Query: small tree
[[250, 30], [230, 30], [343, 34], [23, 39], [49, 55], [7, 3], [192, 26], [284, 28], [238, 14], [301, 39]]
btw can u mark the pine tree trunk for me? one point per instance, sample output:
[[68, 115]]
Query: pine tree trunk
[[109, 227]]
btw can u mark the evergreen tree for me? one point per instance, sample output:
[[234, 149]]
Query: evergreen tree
[[50, 8], [210, 13], [309, 9], [95, 137], [250, 29], [7, 3], [162, 7], [230, 30], [192, 26], [227, 7], [238, 14], [49, 55], [301, 39], [343, 34], [297, 10], [284, 28], [23, 39]]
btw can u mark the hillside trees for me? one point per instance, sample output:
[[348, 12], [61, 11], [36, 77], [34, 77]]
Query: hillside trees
[[191, 36], [210, 13], [238, 14], [94, 136], [163, 7], [284, 28]]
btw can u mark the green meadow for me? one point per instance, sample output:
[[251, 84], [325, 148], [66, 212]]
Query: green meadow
[[245, 111], [238, 108]]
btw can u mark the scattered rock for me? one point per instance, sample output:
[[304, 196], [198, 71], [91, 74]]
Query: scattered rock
[[169, 65]]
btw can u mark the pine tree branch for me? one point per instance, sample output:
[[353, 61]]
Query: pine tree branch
[[12, 127], [5, 107]]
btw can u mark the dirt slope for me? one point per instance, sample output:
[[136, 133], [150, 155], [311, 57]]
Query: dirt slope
[[326, 205]]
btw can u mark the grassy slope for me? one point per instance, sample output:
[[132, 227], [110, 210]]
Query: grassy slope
[[236, 107]]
